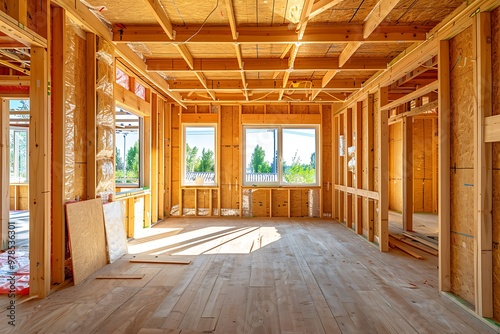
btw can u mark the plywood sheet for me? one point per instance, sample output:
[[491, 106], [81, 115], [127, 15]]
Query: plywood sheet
[[462, 264], [260, 203], [85, 222], [114, 223], [277, 109], [304, 109], [299, 203], [279, 203], [396, 167], [252, 109]]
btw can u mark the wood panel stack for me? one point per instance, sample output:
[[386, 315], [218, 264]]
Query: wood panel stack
[[495, 20], [462, 166]]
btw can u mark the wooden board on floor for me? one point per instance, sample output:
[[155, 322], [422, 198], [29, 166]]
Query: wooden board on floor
[[165, 259], [87, 237], [138, 276]]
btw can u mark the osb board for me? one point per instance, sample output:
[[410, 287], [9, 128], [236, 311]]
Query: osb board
[[462, 264], [299, 203], [315, 50], [226, 166], [462, 105], [422, 12], [188, 198], [304, 109], [189, 110], [204, 198], [226, 125], [236, 126], [276, 109], [278, 12], [422, 195], [252, 109], [229, 196], [419, 157], [80, 177], [495, 57], [264, 50], [496, 241], [175, 163], [279, 203], [381, 50], [85, 221], [260, 203], [346, 11]]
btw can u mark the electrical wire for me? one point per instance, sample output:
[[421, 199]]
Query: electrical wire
[[334, 97], [203, 24]]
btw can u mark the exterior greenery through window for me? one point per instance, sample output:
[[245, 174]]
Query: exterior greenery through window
[[127, 148], [19, 123], [280, 155], [199, 155]]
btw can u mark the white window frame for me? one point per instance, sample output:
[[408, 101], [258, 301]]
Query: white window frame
[[15, 178], [280, 128], [183, 155], [140, 176]]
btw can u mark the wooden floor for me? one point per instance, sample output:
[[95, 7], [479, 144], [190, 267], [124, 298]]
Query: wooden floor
[[254, 276]]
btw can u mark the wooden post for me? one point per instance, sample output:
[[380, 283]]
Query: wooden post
[[160, 209], [148, 168], [91, 116], [370, 152], [18, 10], [39, 174], [153, 178], [444, 167], [407, 174], [335, 158], [340, 127], [58, 151], [4, 175], [167, 113], [347, 173], [483, 192], [435, 165], [383, 171], [358, 200]]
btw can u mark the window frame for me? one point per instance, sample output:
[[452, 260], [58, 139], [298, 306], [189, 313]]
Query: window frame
[[280, 128], [183, 155], [140, 130], [11, 179]]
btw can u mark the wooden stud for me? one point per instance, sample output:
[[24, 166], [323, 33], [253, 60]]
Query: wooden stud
[[444, 168], [39, 174], [156, 9], [383, 171], [58, 150], [348, 198], [160, 158], [483, 192], [407, 174], [147, 164], [4, 175], [358, 200], [155, 125], [91, 116], [341, 167], [168, 157], [434, 166], [370, 174], [335, 158]]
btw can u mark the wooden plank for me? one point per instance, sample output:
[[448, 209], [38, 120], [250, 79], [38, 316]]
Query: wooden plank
[[348, 198], [199, 118], [18, 10], [492, 129], [4, 175], [377, 15], [412, 96], [483, 164], [370, 152], [39, 174], [414, 112], [160, 207], [404, 248], [124, 276], [359, 192], [153, 178], [421, 240], [58, 156], [348, 51], [407, 174], [86, 233], [358, 200], [444, 167], [415, 244], [281, 119], [91, 116], [162, 261], [383, 175], [128, 100]]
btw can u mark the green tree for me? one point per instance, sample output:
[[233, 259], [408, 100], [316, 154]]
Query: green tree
[[191, 158], [258, 164], [207, 162], [118, 160], [313, 160], [132, 165]]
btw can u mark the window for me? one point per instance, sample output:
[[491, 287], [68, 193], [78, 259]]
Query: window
[[19, 145], [280, 155], [127, 148], [199, 155]]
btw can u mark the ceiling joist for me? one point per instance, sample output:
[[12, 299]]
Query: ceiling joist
[[348, 52], [159, 13], [322, 5], [377, 15]]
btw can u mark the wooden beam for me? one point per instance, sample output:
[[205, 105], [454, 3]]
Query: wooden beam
[[328, 77], [203, 81], [358, 175], [483, 169], [407, 174], [338, 33], [128, 100], [409, 97], [370, 207], [184, 51], [39, 174], [348, 51], [4, 176], [91, 116], [444, 168], [14, 80], [383, 170], [15, 67], [321, 6], [377, 15], [304, 18], [414, 112], [161, 164], [228, 65], [159, 13], [16, 30], [232, 19], [347, 173]]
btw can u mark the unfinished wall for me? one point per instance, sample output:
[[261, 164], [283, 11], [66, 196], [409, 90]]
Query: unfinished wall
[[396, 166], [495, 27], [230, 160], [423, 170], [75, 127], [462, 165]]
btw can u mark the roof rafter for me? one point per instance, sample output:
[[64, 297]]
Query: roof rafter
[[304, 18], [232, 18], [162, 18], [377, 15], [324, 82], [322, 5], [348, 52]]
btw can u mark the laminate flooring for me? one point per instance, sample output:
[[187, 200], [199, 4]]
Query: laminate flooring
[[254, 276]]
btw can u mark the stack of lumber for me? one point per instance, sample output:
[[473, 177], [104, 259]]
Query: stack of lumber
[[405, 243]]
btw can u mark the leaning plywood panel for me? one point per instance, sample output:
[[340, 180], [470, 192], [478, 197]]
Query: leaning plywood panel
[[114, 222], [462, 166], [85, 222], [495, 27]]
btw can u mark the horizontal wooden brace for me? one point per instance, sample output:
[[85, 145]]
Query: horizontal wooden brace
[[14, 80], [414, 112], [280, 118], [358, 192], [407, 98], [128, 100], [199, 118], [19, 32], [172, 65]]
